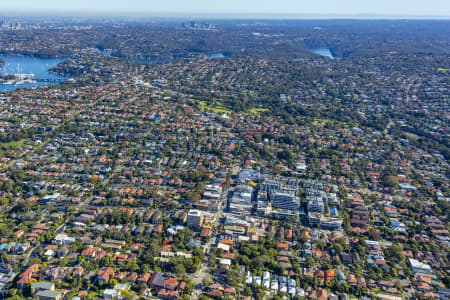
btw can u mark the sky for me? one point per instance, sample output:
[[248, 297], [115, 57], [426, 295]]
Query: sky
[[325, 7]]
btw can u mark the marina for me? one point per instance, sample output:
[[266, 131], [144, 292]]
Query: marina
[[26, 71]]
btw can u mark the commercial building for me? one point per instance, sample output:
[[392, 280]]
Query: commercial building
[[241, 201], [417, 266], [284, 200], [330, 223], [194, 219]]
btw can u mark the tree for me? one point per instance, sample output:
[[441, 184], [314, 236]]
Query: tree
[[145, 268], [309, 262], [260, 294], [395, 251], [63, 262], [199, 253], [343, 287], [390, 181], [112, 282], [4, 201], [212, 259], [338, 248], [179, 269], [247, 291], [374, 234], [107, 261], [233, 277], [206, 282]]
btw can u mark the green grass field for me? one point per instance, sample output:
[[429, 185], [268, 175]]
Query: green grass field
[[216, 108], [255, 111], [13, 145]]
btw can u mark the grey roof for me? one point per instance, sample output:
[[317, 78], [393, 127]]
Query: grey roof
[[344, 296], [157, 280], [48, 294], [332, 297], [42, 285]]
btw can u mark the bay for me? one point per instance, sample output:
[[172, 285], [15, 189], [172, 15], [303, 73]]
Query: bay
[[38, 67], [323, 52]]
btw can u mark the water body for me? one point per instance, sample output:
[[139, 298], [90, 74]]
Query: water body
[[217, 55], [220, 55], [323, 52], [107, 52], [30, 65]]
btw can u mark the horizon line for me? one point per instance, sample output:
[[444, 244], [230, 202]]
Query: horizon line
[[218, 15]]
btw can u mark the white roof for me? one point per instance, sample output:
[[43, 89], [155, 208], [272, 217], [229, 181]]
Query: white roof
[[419, 265], [111, 292], [225, 261], [224, 247], [64, 237]]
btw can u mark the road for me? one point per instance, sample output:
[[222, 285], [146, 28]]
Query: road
[[407, 287], [204, 271]]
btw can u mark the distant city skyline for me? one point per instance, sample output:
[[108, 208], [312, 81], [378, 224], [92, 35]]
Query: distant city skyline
[[263, 7]]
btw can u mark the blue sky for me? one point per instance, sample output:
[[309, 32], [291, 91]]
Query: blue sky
[[385, 7]]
